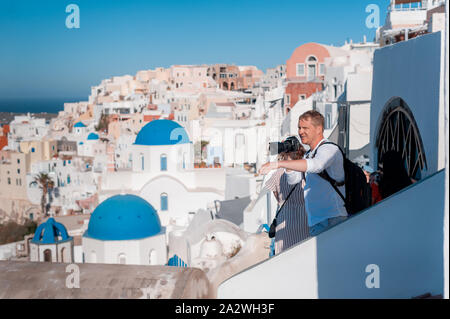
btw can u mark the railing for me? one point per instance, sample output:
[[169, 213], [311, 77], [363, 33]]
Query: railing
[[408, 7]]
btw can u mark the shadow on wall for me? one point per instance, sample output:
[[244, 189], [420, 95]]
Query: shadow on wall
[[395, 246]]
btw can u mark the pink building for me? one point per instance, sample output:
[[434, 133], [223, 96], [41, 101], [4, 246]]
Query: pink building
[[305, 71]]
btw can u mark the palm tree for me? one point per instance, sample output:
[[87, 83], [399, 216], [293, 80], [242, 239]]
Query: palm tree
[[45, 184]]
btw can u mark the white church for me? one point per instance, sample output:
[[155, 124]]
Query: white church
[[163, 174]]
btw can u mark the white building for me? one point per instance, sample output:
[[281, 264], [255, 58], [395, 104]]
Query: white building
[[163, 174], [409, 18], [26, 128], [74, 180]]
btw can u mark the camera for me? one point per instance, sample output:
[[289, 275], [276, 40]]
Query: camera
[[291, 144]]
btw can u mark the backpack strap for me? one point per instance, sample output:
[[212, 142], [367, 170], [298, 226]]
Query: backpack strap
[[324, 174], [333, 183]]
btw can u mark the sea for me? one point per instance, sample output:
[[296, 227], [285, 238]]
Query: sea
[[36, 105]]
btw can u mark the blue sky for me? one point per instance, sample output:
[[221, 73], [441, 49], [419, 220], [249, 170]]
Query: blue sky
[[41, 58]]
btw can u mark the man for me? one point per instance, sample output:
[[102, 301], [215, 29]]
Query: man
[[324, 206]]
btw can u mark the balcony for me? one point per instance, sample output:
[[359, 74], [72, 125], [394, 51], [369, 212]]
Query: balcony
[[405, 5]]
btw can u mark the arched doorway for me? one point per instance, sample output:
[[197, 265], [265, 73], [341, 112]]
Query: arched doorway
[[122, 259], [153, 257], [398, 131], [63, 257], [232, 86], [225, 86], [47, 255]]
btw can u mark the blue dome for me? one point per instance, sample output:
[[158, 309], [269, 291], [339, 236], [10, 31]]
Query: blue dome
[[48, 233], [79, 124], [123, 217], [162, 132], [92, 136]]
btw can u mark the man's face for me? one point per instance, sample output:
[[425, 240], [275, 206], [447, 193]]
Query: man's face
[[308, 132]]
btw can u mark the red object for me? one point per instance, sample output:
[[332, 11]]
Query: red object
[[3, 142], [376, 196], [4, 136], [149, 118]]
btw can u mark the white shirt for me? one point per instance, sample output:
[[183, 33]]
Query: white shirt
[[321, 200]]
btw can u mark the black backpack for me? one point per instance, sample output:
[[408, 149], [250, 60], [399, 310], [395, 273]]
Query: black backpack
[[358, 195]]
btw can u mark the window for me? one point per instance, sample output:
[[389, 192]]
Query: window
[[322, 69], [328, 121], [142, 162], [311, 71], [18, 171], [164, 202], [9, 180], [163, 162], [288, 99], [328, 116], [18, 161], [302, 97], [312, 59], [300, 69], [32, 150]]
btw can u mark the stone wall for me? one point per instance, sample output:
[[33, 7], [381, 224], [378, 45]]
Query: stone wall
[[39, 280]]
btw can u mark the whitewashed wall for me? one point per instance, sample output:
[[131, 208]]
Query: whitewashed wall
[[413, 71], [402, 235]]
